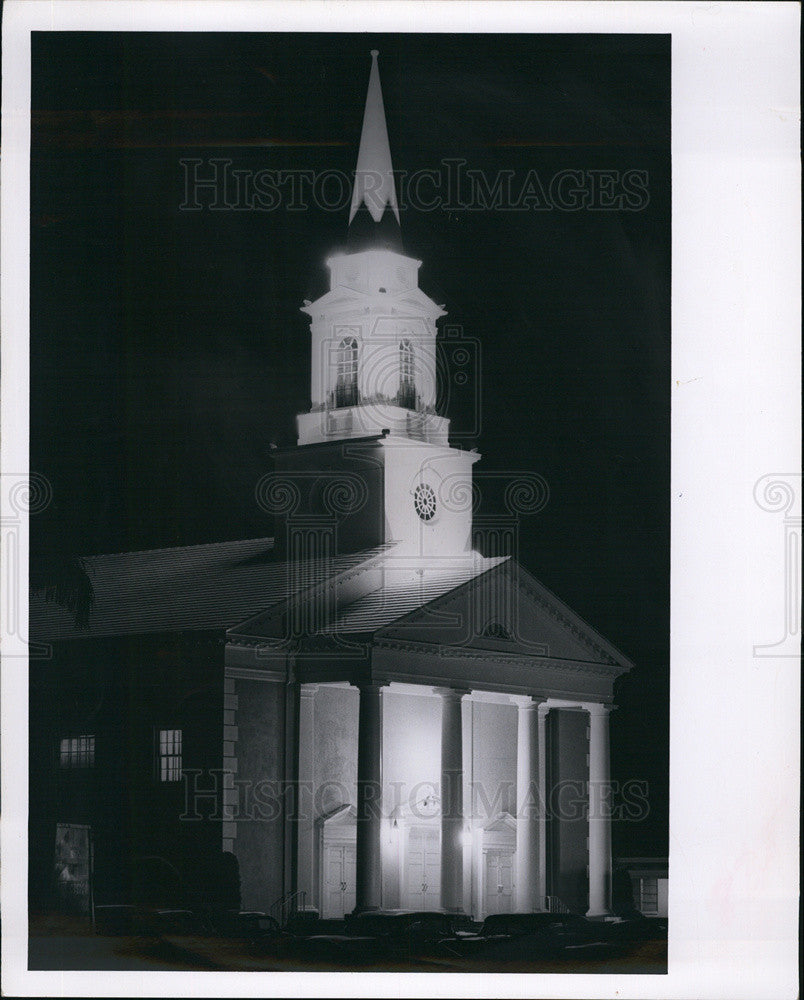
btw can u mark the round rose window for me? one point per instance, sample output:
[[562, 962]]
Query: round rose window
[[424, 501]]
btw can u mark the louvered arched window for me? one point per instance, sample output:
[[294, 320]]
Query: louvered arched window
[[407, 375], [346, 376]]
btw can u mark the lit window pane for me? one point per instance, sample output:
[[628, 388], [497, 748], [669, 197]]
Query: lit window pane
[[77, 751], [169, 766], [649, 895], [346, 370], [407, 375]]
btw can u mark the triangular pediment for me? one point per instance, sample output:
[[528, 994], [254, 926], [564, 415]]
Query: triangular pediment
[[503, 822], [507, 613], [345, 815]]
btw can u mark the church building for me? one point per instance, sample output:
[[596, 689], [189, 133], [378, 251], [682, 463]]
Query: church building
[[404, 717], [428, 694]]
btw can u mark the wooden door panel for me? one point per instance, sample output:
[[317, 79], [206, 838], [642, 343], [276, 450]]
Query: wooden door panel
[[349, 878], [423, 869], [498, 882], [505, 874], [334, 889]]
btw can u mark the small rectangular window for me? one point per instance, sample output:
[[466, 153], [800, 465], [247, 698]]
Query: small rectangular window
[[649, 896], [169, 755], [77, 751]]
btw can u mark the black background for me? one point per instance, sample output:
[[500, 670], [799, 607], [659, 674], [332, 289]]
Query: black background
[[167, 347]]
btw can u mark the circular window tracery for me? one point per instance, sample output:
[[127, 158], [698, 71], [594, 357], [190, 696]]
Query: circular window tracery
[[424, 500]]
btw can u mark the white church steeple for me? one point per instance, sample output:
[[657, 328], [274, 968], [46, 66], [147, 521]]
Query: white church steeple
[[374, 177], [374, 363]]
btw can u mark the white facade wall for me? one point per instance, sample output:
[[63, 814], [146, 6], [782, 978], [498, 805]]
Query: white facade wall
[[448, 471], [374, 299]]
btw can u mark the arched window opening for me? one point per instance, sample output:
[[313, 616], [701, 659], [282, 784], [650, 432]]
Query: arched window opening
[[407, 376], [496, 630], [346, 380]]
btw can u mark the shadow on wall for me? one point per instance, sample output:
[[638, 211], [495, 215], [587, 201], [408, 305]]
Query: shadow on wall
[[573, 890], [208, 885]]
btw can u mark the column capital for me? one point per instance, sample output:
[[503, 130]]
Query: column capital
[[526, 701], [598, 708], [307, 690], [451, 693], [370, 687]]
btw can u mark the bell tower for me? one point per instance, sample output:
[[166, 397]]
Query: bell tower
[[373, 373]]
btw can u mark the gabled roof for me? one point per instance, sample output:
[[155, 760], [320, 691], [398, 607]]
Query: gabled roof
[[427, 603], [383, 586], [196, 587], [404, 590], [540, 623], [568, 619], [242, 587]]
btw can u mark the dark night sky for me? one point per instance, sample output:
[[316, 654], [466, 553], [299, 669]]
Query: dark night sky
[[168, 350]]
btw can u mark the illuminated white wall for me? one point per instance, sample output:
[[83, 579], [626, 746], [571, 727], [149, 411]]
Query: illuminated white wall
[[411, 771], [373, 298], [448, 471]]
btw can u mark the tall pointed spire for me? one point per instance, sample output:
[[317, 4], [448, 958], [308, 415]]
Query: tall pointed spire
[[374, 178]]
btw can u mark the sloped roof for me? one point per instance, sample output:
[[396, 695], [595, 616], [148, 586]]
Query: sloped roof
[[404, 590], [542, 625], [213, 586], [241, 586]]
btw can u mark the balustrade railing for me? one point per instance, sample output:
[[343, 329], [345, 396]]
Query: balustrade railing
[[555, 905], [288, 906]]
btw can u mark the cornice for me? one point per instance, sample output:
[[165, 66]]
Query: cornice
[[559, 616], [550, 607], [252, 674], [490, 656]]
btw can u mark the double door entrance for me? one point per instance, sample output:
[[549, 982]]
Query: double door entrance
[[498, 881], [422, 868], [339, 880], [420, 874], [421, 881]]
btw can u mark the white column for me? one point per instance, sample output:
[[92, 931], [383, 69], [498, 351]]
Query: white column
[[451, 800], [543, 799], [306, 879], [368, 854], [528, 890], [599, 812], [467, 707]]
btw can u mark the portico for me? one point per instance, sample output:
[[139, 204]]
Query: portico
[[447, 829], [452, 754]]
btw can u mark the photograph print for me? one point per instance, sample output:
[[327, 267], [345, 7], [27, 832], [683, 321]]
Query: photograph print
[[350, 556]]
